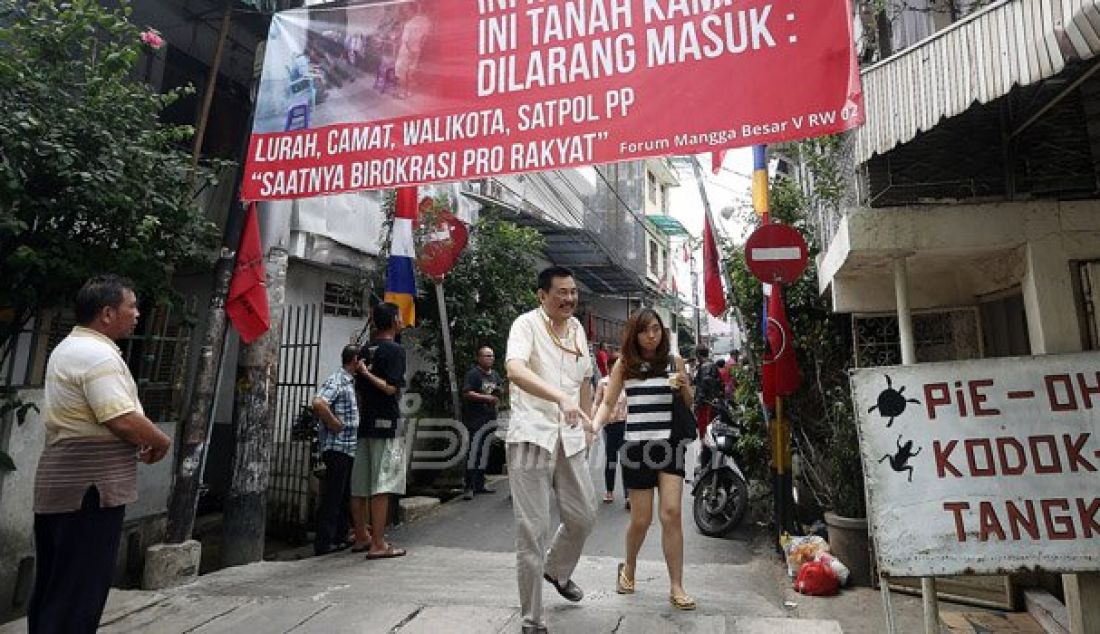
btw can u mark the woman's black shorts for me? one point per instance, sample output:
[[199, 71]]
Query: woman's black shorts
[[642, 460]]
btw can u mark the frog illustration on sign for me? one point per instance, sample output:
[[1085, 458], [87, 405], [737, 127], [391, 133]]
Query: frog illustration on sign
[[891, 402], [900, 461]]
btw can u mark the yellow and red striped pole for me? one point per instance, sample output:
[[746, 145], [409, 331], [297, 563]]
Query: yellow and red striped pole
[[780, 432]]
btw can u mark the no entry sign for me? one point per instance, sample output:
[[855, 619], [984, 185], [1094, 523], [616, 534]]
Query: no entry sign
[[776, 254]]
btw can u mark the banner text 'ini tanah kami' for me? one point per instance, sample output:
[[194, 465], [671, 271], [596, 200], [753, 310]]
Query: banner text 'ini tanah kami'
[[405, 93]]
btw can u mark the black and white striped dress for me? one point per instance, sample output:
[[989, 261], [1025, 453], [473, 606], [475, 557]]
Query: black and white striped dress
[[648, 408]]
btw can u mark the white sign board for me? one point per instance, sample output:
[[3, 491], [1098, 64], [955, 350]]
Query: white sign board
[[983, 467]]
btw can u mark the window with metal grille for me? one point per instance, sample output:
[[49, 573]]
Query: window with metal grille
[[343, 300], [946, 335], [156, 354]]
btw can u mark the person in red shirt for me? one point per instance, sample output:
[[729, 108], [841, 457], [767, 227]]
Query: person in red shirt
[[726, 377], [602, 357]]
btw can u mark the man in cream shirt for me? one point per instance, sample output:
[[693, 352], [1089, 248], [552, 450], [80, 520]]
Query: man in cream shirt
[[96, 431], [548, 367]]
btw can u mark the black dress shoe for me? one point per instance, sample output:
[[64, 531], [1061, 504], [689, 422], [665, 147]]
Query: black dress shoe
[[570, 591], [534, 629], [484, 490]]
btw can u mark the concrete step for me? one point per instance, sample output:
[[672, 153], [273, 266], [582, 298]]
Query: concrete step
[[452, 590], [232, 615]]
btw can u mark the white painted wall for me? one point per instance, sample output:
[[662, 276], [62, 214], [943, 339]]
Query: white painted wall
[[354, 220], [306, 285], [958, 253], [25, 443]]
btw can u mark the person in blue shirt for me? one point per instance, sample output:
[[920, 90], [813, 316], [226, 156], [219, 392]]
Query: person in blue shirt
[[338, 411]]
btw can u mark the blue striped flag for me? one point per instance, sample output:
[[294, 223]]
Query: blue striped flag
[[400, 274]]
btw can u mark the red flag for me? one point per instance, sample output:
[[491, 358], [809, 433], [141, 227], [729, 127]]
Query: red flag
[[781, 374], [716, 159], [712, 274], [246, 305]]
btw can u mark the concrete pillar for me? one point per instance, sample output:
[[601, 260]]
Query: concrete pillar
[[1052, 323], [1054, 328], [929, 598], [1083, 602], [905, 313]]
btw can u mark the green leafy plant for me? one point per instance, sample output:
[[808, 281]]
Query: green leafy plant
[[821, 413], [90, 180], [492, 283]]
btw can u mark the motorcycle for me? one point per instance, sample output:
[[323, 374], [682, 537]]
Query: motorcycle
[[720, 491]]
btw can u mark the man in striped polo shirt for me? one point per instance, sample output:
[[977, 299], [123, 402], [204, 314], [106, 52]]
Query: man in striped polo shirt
[[96, 431]]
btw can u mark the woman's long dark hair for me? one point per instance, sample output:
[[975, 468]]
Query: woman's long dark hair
[[631, 358]]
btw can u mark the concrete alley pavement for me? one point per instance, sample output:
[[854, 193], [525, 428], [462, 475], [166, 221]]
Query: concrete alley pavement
[[459, 576]]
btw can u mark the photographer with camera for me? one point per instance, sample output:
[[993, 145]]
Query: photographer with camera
[[338, 411]]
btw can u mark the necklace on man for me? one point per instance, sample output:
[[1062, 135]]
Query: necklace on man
[[570, 333]]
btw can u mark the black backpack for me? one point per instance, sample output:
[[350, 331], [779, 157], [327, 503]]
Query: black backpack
[[708, 383]]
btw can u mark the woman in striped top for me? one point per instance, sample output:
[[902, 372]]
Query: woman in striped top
[[652, 457]]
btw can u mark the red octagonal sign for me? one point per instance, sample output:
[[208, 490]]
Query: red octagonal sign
[[776, 254]]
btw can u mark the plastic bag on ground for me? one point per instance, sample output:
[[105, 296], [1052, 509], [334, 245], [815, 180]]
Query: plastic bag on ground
[[839, 569], [801, 549], [816, 578]]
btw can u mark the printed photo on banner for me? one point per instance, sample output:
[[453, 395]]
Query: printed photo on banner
[[412, 92], [328, 66]]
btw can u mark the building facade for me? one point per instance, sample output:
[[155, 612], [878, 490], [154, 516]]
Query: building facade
[[975, 196]]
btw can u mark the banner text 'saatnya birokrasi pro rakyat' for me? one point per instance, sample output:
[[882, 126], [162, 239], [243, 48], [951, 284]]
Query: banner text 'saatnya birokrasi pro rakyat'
[[381, 96]]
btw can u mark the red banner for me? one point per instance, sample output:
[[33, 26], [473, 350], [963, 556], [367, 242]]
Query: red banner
[[396, 94]]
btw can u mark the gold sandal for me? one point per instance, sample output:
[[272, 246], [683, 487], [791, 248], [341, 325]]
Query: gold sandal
[[681, 602], [624, 584]]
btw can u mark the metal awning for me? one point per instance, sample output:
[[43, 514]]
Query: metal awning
[[667, 225], [976, 60], [573, 247]]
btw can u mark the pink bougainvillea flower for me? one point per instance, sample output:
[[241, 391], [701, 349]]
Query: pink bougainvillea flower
[[152, 39]]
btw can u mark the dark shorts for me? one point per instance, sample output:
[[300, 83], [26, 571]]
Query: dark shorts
[[642, 460]]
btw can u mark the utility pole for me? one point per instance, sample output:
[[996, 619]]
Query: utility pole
[[698, 170], [254, 406], [211, 83], [706, 209], [448, 351], [695, 296], [198, 412]]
